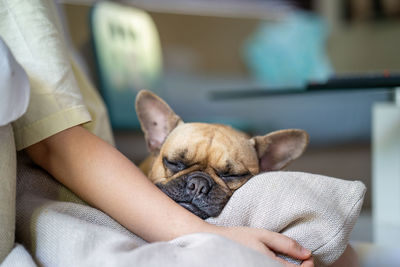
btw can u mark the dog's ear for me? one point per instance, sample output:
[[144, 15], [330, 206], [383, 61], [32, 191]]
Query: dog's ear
[[275, 150], [156, 118]]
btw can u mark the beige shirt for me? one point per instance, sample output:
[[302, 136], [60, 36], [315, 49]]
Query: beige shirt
[[61, 95]]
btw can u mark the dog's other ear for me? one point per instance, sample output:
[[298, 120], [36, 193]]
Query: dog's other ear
[[156, 118], [275, 150]]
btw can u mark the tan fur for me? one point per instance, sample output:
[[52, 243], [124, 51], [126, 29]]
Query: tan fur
[[210, 148]]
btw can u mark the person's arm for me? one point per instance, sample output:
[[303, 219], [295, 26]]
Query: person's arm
[[104, 178]]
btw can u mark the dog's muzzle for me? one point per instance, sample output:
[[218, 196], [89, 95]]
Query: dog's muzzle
[[198, 193]]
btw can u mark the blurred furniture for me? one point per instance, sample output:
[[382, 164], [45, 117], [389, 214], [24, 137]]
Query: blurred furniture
[[128, 57], [266, 10], [386, 171]]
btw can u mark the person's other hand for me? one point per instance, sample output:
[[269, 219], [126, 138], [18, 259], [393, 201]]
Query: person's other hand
[[269, 243]]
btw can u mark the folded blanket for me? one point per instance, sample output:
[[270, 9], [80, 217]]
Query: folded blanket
[[61, 230]]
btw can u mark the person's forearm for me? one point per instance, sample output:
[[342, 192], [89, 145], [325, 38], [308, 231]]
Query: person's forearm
[[103, 177]]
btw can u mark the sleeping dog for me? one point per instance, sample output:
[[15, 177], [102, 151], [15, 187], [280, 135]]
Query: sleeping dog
[[200, 165]]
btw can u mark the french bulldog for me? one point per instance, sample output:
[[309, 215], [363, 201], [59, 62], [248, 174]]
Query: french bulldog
[[200, 165]]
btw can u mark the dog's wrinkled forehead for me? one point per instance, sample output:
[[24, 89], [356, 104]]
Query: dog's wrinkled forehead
[[217, 146]]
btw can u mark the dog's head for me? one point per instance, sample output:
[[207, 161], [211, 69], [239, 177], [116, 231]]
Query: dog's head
[[200, 165]]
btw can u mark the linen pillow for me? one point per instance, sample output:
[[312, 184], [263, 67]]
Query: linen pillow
[[317, 211]]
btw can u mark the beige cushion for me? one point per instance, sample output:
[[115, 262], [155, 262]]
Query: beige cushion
[[317, 211], [7, 190]]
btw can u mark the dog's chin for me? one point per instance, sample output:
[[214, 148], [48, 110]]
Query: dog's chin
[[192, 208]]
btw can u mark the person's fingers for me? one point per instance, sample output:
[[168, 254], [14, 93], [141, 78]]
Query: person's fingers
[[269, 243], [285, 245]]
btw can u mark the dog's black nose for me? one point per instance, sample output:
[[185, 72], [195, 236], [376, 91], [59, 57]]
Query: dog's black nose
[[198, 186]]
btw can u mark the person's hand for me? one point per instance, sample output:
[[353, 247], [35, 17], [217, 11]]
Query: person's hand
[[269, 243]]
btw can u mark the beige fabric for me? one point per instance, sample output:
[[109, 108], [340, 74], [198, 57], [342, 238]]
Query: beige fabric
[[7, 190], [34, 34], [60, 230]]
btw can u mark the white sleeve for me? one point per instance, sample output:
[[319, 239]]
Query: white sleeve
[[14, 87]]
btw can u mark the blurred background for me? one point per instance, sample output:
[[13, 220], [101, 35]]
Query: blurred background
[[249, 64]]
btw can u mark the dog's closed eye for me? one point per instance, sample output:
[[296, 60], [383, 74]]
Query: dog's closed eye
[[227, 177], [174, 166]]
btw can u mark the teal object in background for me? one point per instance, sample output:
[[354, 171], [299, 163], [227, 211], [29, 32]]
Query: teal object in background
[[128, 57], [289, 53]]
